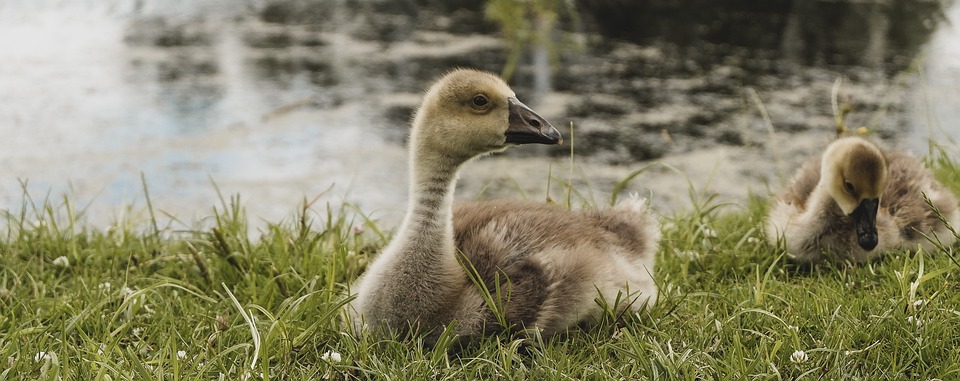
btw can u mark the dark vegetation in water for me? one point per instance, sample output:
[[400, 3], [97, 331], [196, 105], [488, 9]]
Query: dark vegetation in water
[[886, 34]]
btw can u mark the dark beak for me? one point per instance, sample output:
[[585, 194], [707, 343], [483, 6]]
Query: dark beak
[[865, 222], [528, 127]]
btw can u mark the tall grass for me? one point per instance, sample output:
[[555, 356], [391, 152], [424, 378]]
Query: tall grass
[[143, 300]]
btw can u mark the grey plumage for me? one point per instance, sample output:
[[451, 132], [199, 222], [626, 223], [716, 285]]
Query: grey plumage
[[807, 216], [547, 262]]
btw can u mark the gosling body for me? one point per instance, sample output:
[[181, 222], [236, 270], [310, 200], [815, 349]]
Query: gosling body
[[855, 202], [543, 264]]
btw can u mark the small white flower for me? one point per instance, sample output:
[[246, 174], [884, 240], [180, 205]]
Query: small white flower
[[105, 286], [793, 328], [41, 356], [911, 319], [709, 233], [919, 303], [125, 292], [181, 354], [799, 357], [357, 229], [331, 356], [753, 240], [47, 360], [688, 254], [137, 331], [61, 262]]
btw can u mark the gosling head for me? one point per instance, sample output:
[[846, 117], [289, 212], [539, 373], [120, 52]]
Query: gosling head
[[468, 113], [855, 174]]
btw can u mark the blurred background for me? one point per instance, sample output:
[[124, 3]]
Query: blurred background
[[283, 101]]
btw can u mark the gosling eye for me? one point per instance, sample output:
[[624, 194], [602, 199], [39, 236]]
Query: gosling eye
[[849, 187], [480, 101]]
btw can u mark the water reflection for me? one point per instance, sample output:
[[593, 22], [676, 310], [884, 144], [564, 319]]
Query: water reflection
[[281, 100], [874, 34]]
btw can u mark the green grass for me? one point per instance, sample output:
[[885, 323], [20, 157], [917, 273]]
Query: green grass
[[142, 300]]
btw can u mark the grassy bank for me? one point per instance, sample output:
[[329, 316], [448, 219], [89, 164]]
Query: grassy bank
[[157, 300]]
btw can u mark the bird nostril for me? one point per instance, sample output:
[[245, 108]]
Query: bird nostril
[[535, 123]]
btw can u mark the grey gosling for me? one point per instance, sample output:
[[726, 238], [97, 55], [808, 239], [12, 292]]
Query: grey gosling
[[855, 202], [548, 263]]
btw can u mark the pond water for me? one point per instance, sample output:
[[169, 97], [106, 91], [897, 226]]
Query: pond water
[[282, 102]]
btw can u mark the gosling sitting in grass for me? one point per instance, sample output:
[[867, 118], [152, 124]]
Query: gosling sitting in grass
[[497, 265], [855, 202]]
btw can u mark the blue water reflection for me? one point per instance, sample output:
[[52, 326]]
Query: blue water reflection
[[194, 92]]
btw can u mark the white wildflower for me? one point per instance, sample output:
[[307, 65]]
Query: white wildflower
[[125, 292], [331, 356], [41, 356], [137, 331], [799, 357], [709, 233], [913, 320], [919, 303], [181, 354], [105, 286], [688, 254], [357, 229], [793, 328], [61, 262], [753, 240], [48, 360]]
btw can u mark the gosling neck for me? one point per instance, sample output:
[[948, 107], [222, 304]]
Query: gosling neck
[[428, 226]]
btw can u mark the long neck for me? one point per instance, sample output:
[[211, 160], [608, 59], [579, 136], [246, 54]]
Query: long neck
[[427, 229]]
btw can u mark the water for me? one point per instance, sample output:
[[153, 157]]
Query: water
[[87, 111], [190, 94], [935, 113]]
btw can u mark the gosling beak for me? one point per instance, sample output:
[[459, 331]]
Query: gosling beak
[[865, 222], [526, 126]]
